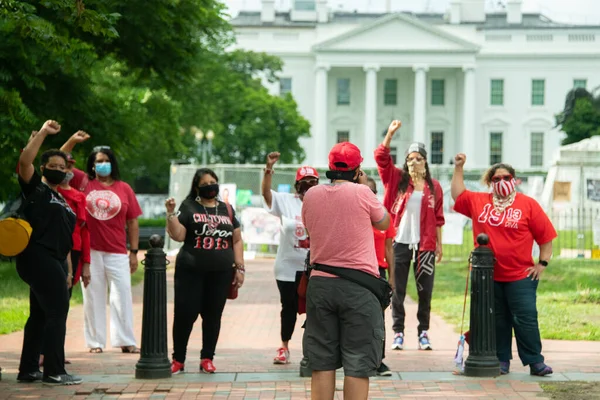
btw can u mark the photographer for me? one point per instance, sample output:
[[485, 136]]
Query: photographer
[[344, 322]]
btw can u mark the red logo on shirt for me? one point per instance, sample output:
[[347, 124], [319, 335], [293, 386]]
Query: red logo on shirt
[[103, 204], [510, 217]]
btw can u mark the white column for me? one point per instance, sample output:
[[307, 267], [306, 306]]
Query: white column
[[370, 131], [420, 102], [468, 123], [321, 150]]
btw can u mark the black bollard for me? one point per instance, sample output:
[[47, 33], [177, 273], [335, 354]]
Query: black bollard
[[154, 361], [482, 360]]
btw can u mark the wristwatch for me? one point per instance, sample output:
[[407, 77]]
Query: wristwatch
[[133, 251], [544, 263]]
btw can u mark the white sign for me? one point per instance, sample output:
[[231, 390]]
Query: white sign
[[259, 227], [596, 229], [227, 193], [452, 232]]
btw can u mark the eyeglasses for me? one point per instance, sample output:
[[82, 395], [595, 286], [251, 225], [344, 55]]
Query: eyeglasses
[[98, 148], [499, 178]]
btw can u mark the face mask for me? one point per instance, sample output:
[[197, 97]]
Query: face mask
[[504, 188], [103, 169], [208, 191], [54, 176], [304, 186], [68, 177]]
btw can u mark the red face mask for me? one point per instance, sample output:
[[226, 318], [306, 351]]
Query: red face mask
[[503, 186]]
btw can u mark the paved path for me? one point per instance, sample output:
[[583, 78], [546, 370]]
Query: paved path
[[249, 338]]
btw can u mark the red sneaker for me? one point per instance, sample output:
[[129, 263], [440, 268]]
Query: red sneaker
[[207, 366], [283, 356], [176, 367]]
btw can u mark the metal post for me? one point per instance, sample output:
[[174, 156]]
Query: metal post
[[204, 154], [482, 360], [154, 361]]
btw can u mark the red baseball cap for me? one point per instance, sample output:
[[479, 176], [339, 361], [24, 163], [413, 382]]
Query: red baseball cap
[[346, 153], [305, 171]]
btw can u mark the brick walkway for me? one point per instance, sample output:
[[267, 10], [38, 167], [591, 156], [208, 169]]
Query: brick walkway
[[249, 338]]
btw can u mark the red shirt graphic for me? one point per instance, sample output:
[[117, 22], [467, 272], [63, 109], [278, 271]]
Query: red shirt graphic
[[511, 232]]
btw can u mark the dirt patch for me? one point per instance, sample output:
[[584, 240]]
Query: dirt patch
[[572, 390]]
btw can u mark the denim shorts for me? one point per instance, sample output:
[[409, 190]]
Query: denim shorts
[[344, 327]]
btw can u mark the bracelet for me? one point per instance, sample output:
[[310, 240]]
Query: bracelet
[[240, 267], [171, 215], [133, 251], [269, 171]]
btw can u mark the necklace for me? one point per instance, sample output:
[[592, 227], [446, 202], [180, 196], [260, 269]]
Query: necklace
[[210, 222], [501, 204]]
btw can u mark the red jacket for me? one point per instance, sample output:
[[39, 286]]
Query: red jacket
[[432, 210]]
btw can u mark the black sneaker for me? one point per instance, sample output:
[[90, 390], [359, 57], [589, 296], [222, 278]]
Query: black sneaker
[[64, 380], [383, 370], [30, 377]]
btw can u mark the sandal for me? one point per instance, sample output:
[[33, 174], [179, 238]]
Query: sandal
[[130, 349], [540, 369], [96, 350], [504, 367]]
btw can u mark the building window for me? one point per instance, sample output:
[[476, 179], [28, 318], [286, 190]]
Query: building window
[[390, 92], [538, 87], [497, 92], [437, 92], [305, 5], [394, 154], [437, 147], [343, 136], [579, 83], [537, 149], [343, 91], [285, 86], [495, 147]]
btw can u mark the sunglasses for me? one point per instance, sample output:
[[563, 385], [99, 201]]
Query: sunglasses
[[499, 178], [417, 159], [98, 148]]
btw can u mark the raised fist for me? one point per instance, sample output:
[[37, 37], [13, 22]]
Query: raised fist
[[170, 205], [80, 137], [459, 160], [394, 126], [272, 158], [50, 127]]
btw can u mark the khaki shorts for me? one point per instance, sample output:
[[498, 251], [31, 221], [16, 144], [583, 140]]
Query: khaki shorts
[[344, 327]]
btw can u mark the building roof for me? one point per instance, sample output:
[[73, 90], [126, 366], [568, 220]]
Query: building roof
[[493, 20]]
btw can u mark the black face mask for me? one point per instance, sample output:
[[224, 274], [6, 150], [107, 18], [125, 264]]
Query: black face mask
[[304, 186], [208, 191], [54, 176]]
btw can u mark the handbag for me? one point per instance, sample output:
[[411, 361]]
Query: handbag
[[15, 231], [232, 294], [377, 285]]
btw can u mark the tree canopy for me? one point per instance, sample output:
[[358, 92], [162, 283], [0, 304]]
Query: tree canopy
[[580, 118], [137, 75]]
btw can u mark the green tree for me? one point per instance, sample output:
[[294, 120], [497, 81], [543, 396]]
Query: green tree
[[580, 118]]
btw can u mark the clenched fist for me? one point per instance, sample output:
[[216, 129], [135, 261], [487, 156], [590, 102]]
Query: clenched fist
[[80, 137], [272, 158], [459, 160], [394, 126], [170, 205], [50, 127]]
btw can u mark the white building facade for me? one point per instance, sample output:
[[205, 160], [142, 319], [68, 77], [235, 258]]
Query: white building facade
[[488, 84]]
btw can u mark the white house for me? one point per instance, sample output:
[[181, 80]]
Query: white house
[[487, 84]]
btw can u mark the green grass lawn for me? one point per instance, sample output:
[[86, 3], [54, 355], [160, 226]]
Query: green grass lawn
[[14, 297], [568, 298]]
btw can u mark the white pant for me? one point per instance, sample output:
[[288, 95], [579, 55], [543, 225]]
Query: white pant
[[114, 269]]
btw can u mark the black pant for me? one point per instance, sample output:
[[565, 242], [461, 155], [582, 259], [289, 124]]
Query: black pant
[[48, 308], [204, 293], [288, 295], [383, 274], [516, 308], [424, 268]]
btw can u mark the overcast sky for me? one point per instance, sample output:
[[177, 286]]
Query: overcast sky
[[568, 11]]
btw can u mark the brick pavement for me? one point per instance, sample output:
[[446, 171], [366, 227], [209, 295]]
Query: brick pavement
[[249, 338]]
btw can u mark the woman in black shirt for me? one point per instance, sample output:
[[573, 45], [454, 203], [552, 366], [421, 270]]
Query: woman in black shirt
[[43, 265], [210, 261]]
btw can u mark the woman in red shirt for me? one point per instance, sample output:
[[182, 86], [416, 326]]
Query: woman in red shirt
[[415, 202], [512, 221]]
